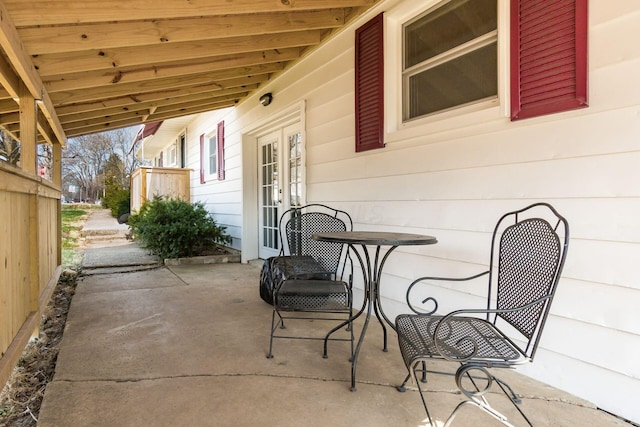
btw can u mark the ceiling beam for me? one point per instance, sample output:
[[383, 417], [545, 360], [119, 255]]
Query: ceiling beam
[[210, 103], [147, 106], [167, 69], [135, 121], [146, 115], [127, 103], [70, 38], [109, 59], [47, 12], [176, 84]]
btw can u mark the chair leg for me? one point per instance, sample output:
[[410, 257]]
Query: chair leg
[[476, 397], [402, 387], [347, 323], [273, 328], [424, 401], [423, 378]]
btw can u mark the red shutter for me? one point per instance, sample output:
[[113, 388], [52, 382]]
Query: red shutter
[[202, 154], [548, 56], [220, 140], [369, 85]]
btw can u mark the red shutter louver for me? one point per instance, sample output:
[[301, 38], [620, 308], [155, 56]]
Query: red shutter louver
[[369, 85], [220, 140], [548, 56], [202, 159]]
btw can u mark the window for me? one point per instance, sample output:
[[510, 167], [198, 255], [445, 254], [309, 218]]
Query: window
[[173, 155], [212, 150], [450, 57], [212, 154]]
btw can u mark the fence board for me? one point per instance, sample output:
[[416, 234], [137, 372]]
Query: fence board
[[29, 258]]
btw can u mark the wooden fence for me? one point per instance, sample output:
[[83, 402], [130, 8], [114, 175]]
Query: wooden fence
[[30, 258], [149, 182]]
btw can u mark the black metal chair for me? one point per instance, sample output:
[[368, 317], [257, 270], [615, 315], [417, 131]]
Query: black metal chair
[[307, 275], [528, 251]]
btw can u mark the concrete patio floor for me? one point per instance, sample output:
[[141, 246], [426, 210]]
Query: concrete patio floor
[[186, 346]]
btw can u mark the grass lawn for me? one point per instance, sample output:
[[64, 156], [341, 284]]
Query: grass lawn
[[73, 217]]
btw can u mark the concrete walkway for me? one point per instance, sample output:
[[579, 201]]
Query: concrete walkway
[[186, 346]]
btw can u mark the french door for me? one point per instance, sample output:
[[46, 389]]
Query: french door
[[281, 182]]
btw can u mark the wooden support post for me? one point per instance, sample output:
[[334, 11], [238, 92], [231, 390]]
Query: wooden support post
[[28, 119], [56, 172], [143, 186], [34, 258], [57, 180]]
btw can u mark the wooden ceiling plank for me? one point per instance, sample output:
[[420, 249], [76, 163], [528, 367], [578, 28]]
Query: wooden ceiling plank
[[213, 102], [55, 12], [250, 74], [25, 70], [112, 78], [186, 112], [175, 110], [112, 59], [103, 127], [242, 82], [8, 106], [84, 130], [71, 38], [9, 118], [113, 120], [162, 96], [151, 106]]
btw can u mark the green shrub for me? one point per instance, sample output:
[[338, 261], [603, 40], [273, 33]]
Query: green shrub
[[173, 228], [116, 198]]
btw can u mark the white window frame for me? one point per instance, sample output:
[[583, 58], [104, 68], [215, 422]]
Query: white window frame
[[442, 58], [395, 127]]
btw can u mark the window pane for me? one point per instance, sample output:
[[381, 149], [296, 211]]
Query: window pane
[[451, 25], [213, 158], [468, 78]]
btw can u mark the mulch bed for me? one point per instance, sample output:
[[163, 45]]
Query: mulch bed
[[22, 396]]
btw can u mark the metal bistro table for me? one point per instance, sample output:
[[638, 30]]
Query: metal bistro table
[[372, 271]]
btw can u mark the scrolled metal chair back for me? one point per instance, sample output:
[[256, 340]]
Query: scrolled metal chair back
[[303, 223], [530, 258]]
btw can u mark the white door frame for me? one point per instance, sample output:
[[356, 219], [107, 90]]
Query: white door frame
[[250, 215]]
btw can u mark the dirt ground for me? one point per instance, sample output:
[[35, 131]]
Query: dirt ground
[[21, 397]]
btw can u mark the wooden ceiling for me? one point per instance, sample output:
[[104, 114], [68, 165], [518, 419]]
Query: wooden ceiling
[[106, 64]]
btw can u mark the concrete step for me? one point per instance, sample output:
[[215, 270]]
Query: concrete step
[[102, 232], [105, 237]]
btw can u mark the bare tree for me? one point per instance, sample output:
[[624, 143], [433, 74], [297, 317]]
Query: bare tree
[[86, 157], [9, 148]]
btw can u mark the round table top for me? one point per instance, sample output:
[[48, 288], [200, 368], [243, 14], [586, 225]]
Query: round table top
[[380, 238]]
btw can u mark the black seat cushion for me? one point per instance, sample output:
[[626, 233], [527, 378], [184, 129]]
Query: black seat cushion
[[279, 268], [310, 294]]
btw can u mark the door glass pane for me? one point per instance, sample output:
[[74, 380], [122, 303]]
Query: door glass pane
[[295, 169], [270, 197]]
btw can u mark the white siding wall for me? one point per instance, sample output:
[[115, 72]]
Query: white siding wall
[[221, 198], [452, 177]]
